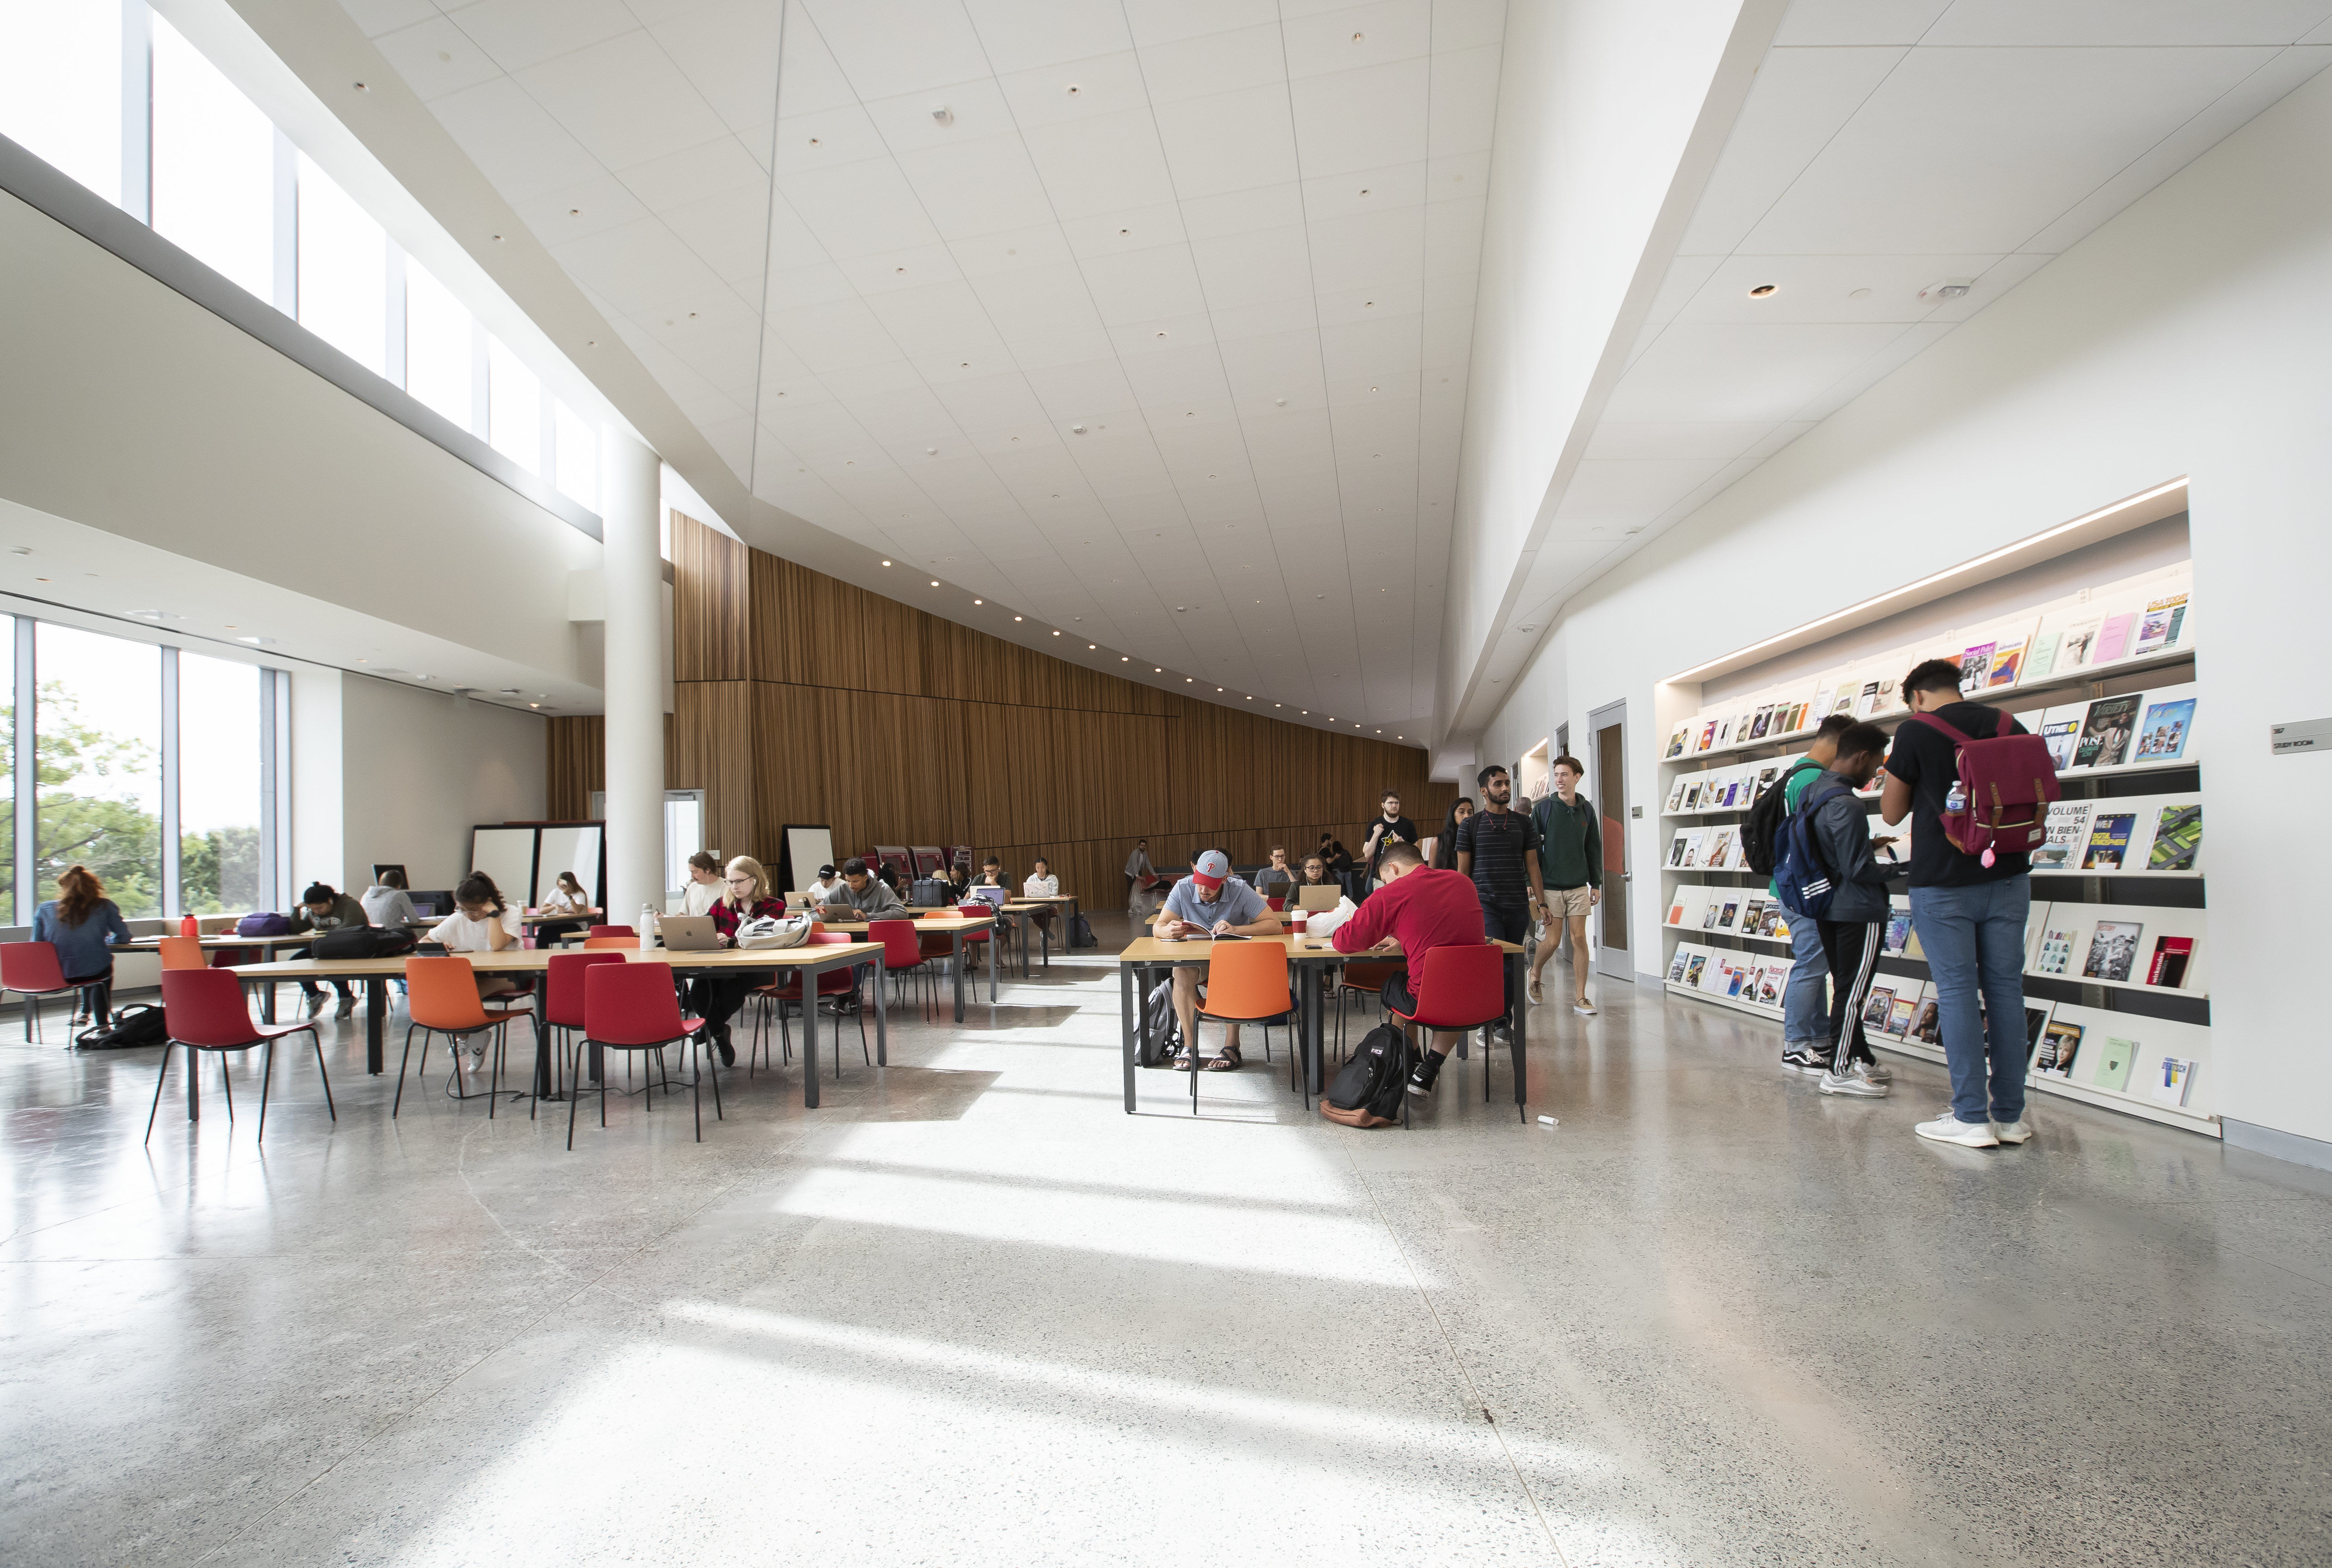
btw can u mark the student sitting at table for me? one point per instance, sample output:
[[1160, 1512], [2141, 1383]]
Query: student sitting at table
[[568, 908], [482, 921], [861, 897], [387, 902], [745, 895], [992, 874], [322, 910], [823, 887], [703, 884], [84, 926], [1276, 880], [1210, 902], [1419, 908], [1042, 883]]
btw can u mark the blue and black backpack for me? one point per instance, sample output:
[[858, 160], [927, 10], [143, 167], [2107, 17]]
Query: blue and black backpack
[[1800, 881]]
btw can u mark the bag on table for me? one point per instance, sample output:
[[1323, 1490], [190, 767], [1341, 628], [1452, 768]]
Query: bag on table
[[1324, 922], [263, 923], [1369, 1089], [363, 941], [764, 932]]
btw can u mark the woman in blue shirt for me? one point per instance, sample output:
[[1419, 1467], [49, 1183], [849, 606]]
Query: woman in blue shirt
[[84, 926]]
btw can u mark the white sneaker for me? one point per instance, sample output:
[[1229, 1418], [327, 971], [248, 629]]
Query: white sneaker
[[347, 1005], [1583, 1009], [1852, 1083], [2020, 1130], [1876, 1071], [1949, 1129]]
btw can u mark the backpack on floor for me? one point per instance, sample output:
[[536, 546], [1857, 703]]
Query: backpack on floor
[[1370, 1088], [1080, 933], [1761, 831], [1158, 1011], [139, 1024], [363, 941], [2008, 781]]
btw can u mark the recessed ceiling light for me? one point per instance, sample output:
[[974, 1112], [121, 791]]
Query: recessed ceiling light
[[980, 601], [1358, 36], [1857, 293], [1091, 647], [1074, 90], [886, 563], [1057, 633], [935, 582], [1019, 617], [1761, 290], [1124, 659], [1156, 671]]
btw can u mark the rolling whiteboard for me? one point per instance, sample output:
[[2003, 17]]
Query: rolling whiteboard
[[506, 854], [807, 849], [575, 849]]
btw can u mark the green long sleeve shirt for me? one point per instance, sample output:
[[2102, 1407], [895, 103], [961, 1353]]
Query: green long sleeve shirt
[[1571, 842]]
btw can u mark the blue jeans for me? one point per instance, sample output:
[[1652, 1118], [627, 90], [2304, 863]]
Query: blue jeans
[[1805, 1020], [1975, 940]]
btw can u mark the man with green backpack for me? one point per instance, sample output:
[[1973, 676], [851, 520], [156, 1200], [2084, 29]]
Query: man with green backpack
[[1806, 1045]]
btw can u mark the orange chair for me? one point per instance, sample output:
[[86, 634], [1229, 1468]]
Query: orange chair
[[1246, 983], [603, 944], [182, 952], [1460, 988], [441, 996]]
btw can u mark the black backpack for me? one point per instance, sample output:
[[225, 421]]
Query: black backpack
[[1761, 835], [363, 941], [1371, 1089], [139, 1024], [1158, 1011], [1080, 933]]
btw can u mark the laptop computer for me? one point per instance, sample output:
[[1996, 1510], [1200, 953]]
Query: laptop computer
[[995, 896], [688, 932], [1319, 897]]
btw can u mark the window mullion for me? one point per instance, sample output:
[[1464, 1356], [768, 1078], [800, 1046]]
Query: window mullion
[[28, 771], [287, 226], [172, 901], [137, 110]]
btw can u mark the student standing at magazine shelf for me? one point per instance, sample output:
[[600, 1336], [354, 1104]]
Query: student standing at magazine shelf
[[1970, 916], [1851, 928], [1806, 1042]]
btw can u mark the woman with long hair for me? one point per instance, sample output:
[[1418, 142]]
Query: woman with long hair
[[84, 926], [1445, 848], [744, 895]]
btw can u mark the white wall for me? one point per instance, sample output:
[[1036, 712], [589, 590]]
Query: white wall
[[2190, 335], [419, 769]]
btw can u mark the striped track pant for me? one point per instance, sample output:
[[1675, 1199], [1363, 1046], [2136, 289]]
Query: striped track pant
[[1852, 949]]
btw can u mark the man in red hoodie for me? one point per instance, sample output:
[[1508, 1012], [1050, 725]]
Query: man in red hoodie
[[1421, 909]]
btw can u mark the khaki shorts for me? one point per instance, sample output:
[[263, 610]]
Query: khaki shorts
[[1569, 901]]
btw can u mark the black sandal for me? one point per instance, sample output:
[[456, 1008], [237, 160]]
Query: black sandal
[[1230, 1061]]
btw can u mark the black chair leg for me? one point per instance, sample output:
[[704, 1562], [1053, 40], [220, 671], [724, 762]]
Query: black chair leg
[[326, 1077], [575, 1099], [226, 1083], [168, 1047], [712, 1062], [266, 1081], [697, 1054]]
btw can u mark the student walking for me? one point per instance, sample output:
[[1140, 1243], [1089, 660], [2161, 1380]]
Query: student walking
[[1389, 828], [1850, 928], [1970, 916], [1571, 855], [1498, 849]]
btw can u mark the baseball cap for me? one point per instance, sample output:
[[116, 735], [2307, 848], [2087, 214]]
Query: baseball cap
[[826, 871], [1212, 869]]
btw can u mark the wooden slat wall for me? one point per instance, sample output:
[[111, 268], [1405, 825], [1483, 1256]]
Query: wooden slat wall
[[801, 698]]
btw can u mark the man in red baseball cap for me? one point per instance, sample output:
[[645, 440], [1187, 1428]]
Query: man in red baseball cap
[[1210, 901]]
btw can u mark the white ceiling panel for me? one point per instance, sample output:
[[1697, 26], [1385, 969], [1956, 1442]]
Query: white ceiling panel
[[1362, 120], [2123, 23], [728, 49], [624, 100], [886, 47], [519, 33], [1022, 34], [1228, 142]]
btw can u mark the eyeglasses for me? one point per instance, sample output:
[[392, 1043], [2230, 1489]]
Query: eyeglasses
[[740, 882]]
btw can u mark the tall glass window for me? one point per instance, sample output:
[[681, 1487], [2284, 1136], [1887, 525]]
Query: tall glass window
[[98, 731], [219, 785], [7, 767], [61, 86], [579, 458], [343, 270], [437, 360], [514, 407], [214, 166]]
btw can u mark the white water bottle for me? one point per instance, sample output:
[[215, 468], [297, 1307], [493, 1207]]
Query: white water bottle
[[1956, 801], [648, 925]]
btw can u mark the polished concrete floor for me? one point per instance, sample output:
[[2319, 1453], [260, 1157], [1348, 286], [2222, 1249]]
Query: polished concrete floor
[[969, 1311]]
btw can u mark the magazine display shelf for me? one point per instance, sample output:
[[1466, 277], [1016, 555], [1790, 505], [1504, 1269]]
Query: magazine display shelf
[[2179, 1006]]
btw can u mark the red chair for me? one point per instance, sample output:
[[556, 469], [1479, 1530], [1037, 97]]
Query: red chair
[[635, 1006], [31, 970], [610, 931], [971, 938], [1246, 983], [441, 996], [1460, 988], [562, 1006], [837, 983], [204, 1010], [903, 954], [1278, 902]]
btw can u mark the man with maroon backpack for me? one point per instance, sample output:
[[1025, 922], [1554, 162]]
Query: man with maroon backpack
[[1969, 908]]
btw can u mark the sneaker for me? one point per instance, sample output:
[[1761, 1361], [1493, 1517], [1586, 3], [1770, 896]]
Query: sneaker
[[2020, 1130], [1538, 992], [1583, 1009], [347, 1005], [315, 1003], [1805, 1059], [1422, 1077], [1949, 1129], [1876, 1071], [1851, 1083]]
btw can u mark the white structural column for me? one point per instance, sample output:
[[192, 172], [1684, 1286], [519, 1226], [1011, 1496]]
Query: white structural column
[[633, 575]]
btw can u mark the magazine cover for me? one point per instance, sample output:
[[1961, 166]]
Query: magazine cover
[[2007, 664], [2115, 1056], [2161, 738], [2060, 1043], [1899, 1017], [2060, 730], [2080, 645], [1879, 1008], [1928, 1027], [1675, 964], [2067, 827], [2041, 657], [1677, 741], [2177, 840], [2108, 840], [1771, 983], [1898, 935], [1693, 969], [1975, 667], [2157, 628], [2172, 1080], [2171, 956], [2113, 951], [2113, 637], [2056, 950], [2106, 732]]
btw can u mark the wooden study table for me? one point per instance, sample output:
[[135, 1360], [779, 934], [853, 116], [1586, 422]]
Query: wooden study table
[[1063, 904], [806, 961], [1308, 959], [223, 940], [956, 927]]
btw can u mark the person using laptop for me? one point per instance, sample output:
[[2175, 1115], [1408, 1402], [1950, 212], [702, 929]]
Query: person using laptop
[[992, 874], [1042, 883], [744, 895], [1210, 902], [1276, 880], [824, 888], [861, 897]]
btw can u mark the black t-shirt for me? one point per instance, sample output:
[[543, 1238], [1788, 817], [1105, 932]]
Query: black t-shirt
[[1497, 840], [1400, 827], [1925, 757]]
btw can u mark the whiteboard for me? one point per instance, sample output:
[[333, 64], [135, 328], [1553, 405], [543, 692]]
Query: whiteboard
[[506, 854], [575, 849], [807, 849]]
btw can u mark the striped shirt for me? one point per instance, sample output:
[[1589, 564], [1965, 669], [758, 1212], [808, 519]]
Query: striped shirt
[[1497, 840]]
